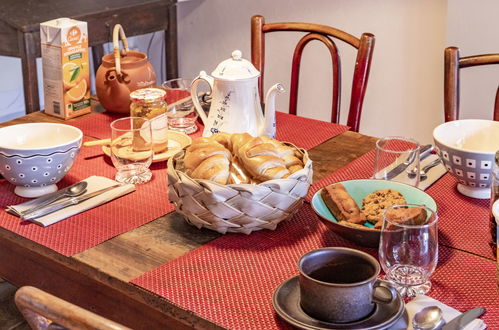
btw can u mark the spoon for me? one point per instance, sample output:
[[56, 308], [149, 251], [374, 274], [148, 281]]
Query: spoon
[[424, 170], [73, 191], [429, 318]]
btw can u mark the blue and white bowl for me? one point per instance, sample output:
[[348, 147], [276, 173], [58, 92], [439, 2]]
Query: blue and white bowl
[[467, 148], [35, 156]]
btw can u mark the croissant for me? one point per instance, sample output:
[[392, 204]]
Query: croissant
[[260, 158], [207, 159], [240, 158]]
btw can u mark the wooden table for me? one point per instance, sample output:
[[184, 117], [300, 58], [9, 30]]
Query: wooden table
[[20, 30], [97, 278]]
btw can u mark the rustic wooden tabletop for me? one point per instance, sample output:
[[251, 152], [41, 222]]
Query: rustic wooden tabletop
[[97, 278]]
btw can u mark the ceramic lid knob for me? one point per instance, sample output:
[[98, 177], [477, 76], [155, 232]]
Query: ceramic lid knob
[[235, 68], [237, 55]]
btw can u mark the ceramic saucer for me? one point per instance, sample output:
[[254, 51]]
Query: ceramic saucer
[[176, 142], [286, 303]]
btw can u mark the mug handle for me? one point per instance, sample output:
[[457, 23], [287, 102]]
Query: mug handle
[[386, 287]]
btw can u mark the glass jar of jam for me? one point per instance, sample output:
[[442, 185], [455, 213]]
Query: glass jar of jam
[[147, 102], [150, 103]]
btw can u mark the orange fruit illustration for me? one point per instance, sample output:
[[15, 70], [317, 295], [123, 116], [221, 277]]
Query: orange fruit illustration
[[76, 93], [71, 74]]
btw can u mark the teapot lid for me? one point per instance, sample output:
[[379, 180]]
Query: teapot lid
[[235, 68]]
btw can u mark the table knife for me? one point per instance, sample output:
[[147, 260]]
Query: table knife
[[72, 201], [459, 322], [423, 153]]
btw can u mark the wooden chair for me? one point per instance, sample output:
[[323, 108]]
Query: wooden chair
[[453, 63], [323, 33], [45, 311]]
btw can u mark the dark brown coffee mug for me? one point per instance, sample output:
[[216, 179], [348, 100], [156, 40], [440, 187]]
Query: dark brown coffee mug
[[340, 285]]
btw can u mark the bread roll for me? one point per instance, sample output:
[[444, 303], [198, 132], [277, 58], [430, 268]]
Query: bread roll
[[261, 159], [207, 159], [240, 158]]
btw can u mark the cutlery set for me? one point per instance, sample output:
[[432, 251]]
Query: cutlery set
[[424, 153], [69, 196], [431, 318]]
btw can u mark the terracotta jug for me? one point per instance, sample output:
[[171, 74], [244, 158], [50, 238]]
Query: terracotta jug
[[121, 73]]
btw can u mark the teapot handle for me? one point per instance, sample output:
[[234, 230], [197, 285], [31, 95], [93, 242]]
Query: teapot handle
[[117, 56], [194, 93]]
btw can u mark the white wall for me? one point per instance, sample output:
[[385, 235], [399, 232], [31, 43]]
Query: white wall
[[474, 28], [404, 95]]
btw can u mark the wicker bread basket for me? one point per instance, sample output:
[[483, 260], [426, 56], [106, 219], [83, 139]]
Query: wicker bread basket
[[237, 208]]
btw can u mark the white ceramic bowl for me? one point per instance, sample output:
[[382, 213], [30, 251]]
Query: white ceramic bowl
[[467, 148], [35, 156]]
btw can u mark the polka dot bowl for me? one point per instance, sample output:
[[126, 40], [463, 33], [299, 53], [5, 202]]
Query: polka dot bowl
[[467, 148], [35, 156]]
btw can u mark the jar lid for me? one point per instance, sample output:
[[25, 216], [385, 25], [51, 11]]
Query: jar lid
[[147, 95], [235, 68]]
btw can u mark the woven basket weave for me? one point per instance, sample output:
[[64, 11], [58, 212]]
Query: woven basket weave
[[237, 208]]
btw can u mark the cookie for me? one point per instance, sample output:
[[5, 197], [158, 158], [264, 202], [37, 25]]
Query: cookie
[[376, 202]]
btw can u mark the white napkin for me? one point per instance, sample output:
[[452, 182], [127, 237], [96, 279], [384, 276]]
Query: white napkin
[[418, 303], [94, 183], [433, 174]]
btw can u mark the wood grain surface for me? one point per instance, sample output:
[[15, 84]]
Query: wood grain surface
[[97, 279]]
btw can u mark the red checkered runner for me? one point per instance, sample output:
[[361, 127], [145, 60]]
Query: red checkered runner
[[231, 280], [87, 229], [149, 202], [463, 221], [303, 132]]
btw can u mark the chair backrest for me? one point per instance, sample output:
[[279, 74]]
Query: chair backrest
[[45, 311], [323, 33], [453, 64]]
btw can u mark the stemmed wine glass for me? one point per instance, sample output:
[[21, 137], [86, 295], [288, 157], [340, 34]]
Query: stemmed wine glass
[[408, 252]]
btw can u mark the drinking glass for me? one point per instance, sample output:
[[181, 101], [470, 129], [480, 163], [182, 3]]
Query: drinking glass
[[131, 149], [408, 253], [397, 159], [180, 110]]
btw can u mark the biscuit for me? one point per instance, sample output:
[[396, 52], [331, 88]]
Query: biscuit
[[341, 204], [376, 202]]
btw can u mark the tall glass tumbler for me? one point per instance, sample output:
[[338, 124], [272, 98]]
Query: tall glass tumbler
[[180, 109], [408, 250], [397, 159], [132, 149]]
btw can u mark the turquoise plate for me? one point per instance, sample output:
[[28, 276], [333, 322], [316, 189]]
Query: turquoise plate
[[359, 189]]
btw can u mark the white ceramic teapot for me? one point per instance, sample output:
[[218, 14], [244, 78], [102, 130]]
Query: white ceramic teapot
[[235, 103]]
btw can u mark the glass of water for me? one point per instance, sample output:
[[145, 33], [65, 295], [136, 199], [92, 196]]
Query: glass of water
[[397, 159], [180, 109], [132, 149], [408, 249]]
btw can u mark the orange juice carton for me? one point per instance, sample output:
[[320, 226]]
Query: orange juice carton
[[66, 81]]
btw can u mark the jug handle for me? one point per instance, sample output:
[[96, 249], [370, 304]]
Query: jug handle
[[118, 31], [194, 93]]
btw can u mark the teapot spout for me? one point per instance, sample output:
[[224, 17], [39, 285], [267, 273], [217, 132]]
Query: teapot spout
[[270, 125], [118, 93]]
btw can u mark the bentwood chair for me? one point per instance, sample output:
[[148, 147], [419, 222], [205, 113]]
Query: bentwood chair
[[453, 64], [45, 311], [325, 34]]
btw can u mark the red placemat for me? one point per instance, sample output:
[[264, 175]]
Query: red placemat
[[231, 280], [303, 132], [96, 125], [463, 221], [95, 226]]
